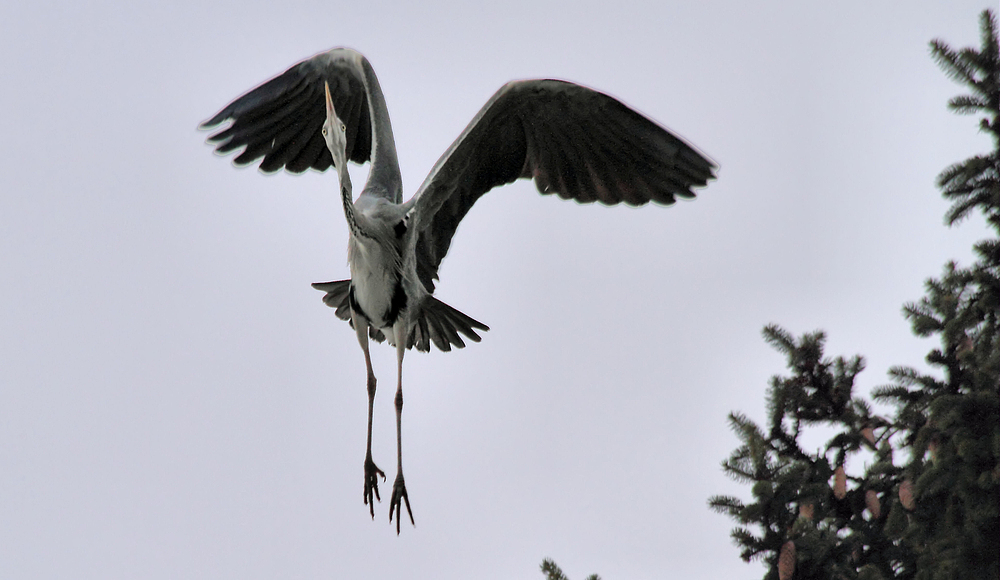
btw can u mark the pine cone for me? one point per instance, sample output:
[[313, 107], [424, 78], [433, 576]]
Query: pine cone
[[964, 346], [869, 434], [872, 503], [839, 482], [786, 561], [906, 495]]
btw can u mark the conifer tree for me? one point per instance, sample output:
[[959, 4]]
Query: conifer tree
[[924, 505]]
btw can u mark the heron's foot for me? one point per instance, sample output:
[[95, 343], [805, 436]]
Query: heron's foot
[[371, 483], [398, 497]]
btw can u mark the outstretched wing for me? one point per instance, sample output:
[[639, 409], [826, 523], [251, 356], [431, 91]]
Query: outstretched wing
[[282, 119], [573, 141]]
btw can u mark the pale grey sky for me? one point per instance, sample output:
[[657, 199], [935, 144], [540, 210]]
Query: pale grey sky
[[177, 402]]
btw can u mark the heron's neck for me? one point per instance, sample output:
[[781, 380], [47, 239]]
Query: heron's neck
[[385, 165], [347, 198]]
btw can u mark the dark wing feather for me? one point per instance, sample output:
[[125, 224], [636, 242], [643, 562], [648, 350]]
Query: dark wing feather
[[281, 120], [573, 141]]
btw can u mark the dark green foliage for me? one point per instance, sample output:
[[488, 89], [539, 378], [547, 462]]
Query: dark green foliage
[[975, 183], [552, 572], [920, 498]]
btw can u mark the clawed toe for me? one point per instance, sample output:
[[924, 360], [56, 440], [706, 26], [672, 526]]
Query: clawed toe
[[398, 497], [372, 472]]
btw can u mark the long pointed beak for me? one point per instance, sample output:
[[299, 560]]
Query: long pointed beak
[[330, 112]]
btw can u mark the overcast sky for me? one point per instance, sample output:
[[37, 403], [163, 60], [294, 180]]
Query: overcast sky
[[177, 402]]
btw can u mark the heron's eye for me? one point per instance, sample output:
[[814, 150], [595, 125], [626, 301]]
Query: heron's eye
[[324, 131], [343, 128]]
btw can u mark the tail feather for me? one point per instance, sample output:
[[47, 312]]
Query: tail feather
[[420, 335], [338, 295], [464, 324], [437, 334], [435, 321], [451, 331], [444, 324]]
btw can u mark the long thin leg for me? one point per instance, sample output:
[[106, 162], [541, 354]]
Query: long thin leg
[[399, 486], [371, 470]]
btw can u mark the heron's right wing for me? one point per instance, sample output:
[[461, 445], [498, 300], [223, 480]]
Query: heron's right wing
[[282, 119], [573, 141]]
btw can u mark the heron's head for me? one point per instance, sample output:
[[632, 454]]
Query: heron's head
[[335, 133]]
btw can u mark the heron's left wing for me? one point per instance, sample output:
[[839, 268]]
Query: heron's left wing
[[281, 120], [573, 141]]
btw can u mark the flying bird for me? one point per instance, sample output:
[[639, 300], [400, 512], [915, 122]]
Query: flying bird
[[572, 141]]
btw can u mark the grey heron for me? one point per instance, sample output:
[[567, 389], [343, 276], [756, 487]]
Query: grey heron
[[572, 141]]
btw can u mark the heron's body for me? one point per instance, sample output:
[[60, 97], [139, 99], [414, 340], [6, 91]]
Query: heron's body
[[572, 141], [376, 266]]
